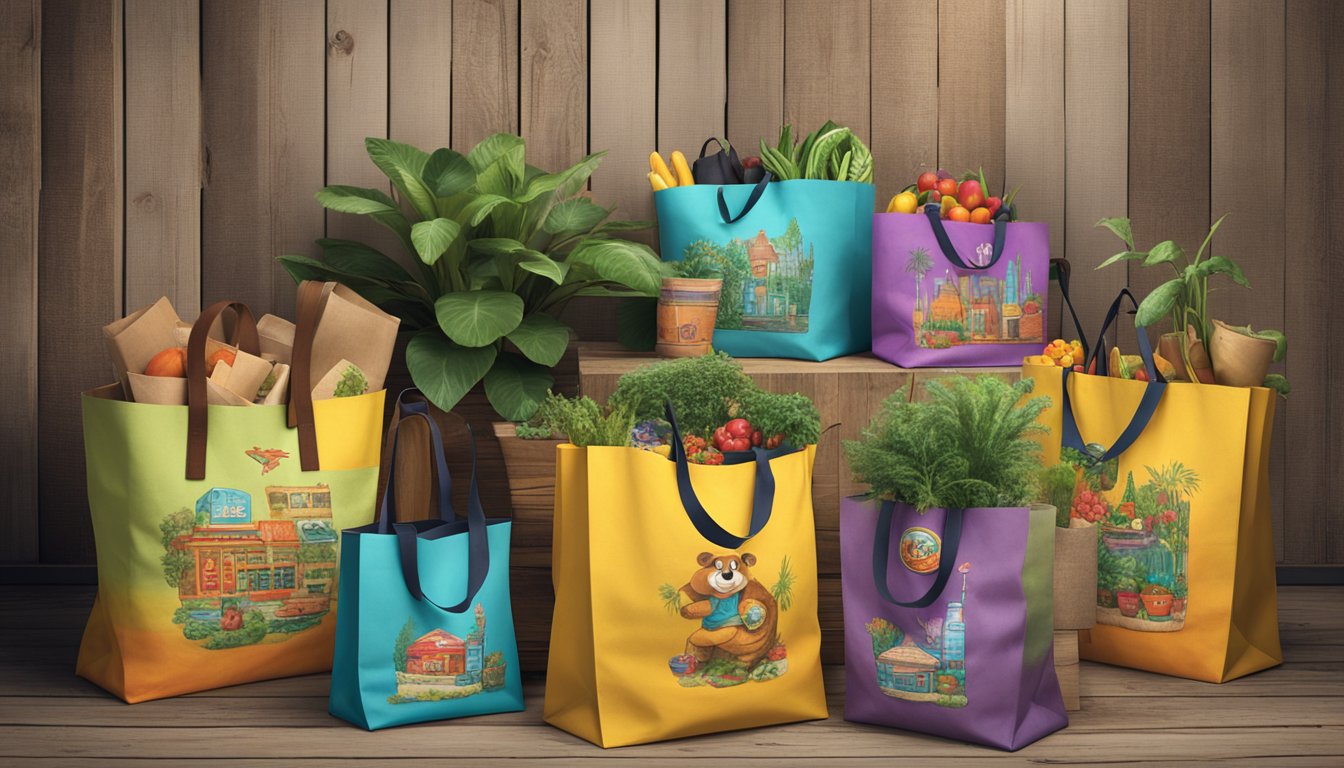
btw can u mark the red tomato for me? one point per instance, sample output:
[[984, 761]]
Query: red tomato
[[736, 444], [721, 436], [756, 437], [947, 187], [927, 180], [1141, 374], [738, 428]]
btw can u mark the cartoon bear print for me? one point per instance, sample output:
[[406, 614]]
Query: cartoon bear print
[[724, 597]]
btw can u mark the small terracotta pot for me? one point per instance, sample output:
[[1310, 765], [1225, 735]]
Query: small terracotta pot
[[1105, 598], [1172, 347], [1157, 605], [1239, 360], [1128, 602], [1200, 364], [1178, 605], [687, 311]]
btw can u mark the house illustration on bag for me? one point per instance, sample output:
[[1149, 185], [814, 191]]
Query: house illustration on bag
[[440, 665], [934, 671]]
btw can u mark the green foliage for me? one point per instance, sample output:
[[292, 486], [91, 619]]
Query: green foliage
[[585, 422], [352, 383], [1117, 574], [526, 431], [969, 446], [404, 639], [176, 561], [671, 597], [317, 553], [783, 589], [885, 635], [703, 391], [253, 630], [499, 247], [831, 152], [1056, 489], [290, 626], [730, 262], [700, 264], [793, 415]]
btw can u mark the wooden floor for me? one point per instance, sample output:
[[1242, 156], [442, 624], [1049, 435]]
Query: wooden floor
[[1289, 716]]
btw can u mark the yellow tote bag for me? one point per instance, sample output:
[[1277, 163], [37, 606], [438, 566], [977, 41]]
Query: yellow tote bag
[[666, 624], [1177, 477]]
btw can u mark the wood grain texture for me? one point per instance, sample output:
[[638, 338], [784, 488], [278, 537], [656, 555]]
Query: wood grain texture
[[485, 72], [263, 67], [692, 74], [553, 81], [904, 94], [826, 66], [1247, 76], [972, 88], [755, 73], [1168, 133], [1096, 152], [420, 72], [163, 154], [21, 166], [356, 106], [1332, 150], [79, 281]]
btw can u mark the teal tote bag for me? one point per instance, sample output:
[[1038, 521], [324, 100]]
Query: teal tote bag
[[425, 630], [796, 258]]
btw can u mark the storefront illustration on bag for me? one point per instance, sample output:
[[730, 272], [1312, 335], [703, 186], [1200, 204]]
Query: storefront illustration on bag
[[439, 665], [931, 671], [767, 281], [1144, 542], [975, 308], [239, 579], [737, 638]]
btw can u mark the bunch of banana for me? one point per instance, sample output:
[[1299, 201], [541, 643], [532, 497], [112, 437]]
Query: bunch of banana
[[660, 177]]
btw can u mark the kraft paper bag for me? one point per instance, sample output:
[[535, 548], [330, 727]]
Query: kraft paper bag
[[136, 338], [277, 338], [156, 390], [350, 328]]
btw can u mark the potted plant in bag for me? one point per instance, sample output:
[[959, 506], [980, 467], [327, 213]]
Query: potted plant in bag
[[1075, 551], [498, 248], [688, 306], [1127, 593], [1205, 350]]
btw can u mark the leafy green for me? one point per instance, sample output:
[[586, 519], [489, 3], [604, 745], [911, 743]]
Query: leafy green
[[702, 391], [585, 422], [1056, 488], [793, 415], [969, 446], [832, 152]]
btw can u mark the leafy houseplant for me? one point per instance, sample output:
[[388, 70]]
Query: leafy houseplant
[[499, 248], [1185, 298], [969, 446]]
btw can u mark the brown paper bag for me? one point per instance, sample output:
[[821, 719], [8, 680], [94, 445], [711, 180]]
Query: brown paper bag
[[351, 329], [280, 388], [157, 390], [1075, 577], [244, 377], [277, 338], [216, 394], [326, 386], [136, 338]]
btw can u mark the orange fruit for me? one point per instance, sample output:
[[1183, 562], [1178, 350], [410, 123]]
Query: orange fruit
[[980, 215], [225, 354], [959, 214], [171, 362]]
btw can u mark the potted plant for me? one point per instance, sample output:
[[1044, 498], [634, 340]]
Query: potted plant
[[1075, 576], [1127, 594], [1184, 299], [1179, 592], [688, 306], [529, 458], [1156, 601], [1108, 576], [499, 247]]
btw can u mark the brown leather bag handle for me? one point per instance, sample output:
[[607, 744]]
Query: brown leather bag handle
[[300, 372], [244, 338]]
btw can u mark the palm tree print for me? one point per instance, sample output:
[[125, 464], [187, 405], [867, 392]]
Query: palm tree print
[[919, 264]]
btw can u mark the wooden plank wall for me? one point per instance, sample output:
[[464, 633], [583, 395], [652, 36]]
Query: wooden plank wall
[[174, 147]]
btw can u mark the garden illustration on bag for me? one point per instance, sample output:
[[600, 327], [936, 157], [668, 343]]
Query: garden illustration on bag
[[976, 308], [767, 281], [934, 670], [1144, 543], [736, 639], [239, 579], [439, 665]]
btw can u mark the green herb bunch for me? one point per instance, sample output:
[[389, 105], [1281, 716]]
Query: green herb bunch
[[585, 422], [702, 390], [831, 152], [793, 415], [969, 446], [1056, 488]]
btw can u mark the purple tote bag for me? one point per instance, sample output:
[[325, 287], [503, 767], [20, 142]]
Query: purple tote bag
[[949, 621], [952, 294]]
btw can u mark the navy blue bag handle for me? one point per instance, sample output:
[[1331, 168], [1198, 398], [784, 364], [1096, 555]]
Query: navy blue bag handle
[[950, 251], [947, 559], [762, 502], [752, 200], [1062, 269], [1152, 393], [478, 546]]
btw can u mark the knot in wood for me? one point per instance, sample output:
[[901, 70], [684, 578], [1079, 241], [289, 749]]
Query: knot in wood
[[342, 43]]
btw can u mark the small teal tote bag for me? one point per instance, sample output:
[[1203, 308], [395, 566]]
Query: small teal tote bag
[[425, 630], [796, 258]]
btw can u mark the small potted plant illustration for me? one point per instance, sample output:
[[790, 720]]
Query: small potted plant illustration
[[1127, 596], [1156, 601], [1179, 592], [688, 305]]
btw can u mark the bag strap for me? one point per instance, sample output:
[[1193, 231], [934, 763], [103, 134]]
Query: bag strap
[[762, 501], [300, 414], [408, 534], [1063, 268], [950, 251], [198, 411], [1152, 393], [947, 559], [387, 510], [752, 200]]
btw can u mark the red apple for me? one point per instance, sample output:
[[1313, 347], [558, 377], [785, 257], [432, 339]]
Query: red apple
[[927, 181], [968, 187]]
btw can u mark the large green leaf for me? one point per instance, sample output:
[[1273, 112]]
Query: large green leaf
[[1158, 304], [495, 179], [1223, 265], [368, 202], [566, 183], [516, 386], [620, 261], [541, 264], [542, 338], [1120, 227], [433, 237], [625, 226], [403, 165], [1163, 253], [478, 318], [443, 371], [304, 268], [500, 145], [495, 246], [1123, 256], [448, 173], [574, 216], [480, 207], [357, 258]]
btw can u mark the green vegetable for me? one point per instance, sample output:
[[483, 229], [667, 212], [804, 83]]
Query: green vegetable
[[352, 382], [528, 431], [1056, 488], [968, 447], [831, 152], [702, 390], [585, 422], [793, 415], [267, 384]]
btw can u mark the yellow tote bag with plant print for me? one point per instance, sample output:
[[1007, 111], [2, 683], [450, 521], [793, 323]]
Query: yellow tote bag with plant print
[[668, 624], [1177, 478]]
